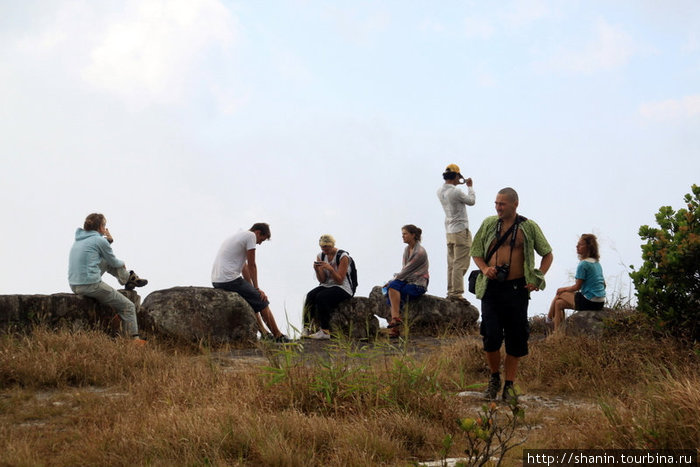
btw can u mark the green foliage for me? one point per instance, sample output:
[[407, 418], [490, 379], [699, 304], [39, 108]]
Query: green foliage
[[668, 282], [491, 434], [350, 378]]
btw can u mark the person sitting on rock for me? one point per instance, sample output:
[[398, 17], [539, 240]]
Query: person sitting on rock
[[411, 281], [90, 257], [588, 293], [332, 271], [235, 270]]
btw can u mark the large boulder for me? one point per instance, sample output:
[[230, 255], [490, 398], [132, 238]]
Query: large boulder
[[355, 318], [199, 313], [22, 312], [428, 314], [587, 322]]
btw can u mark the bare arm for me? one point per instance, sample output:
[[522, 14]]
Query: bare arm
[[252, 268], [338, 276], [572, 288], [488, 271], [546, 262]]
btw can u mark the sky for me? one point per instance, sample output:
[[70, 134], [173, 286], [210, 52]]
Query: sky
[[184, 121]]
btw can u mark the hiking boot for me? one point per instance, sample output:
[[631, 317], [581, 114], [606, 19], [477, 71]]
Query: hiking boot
[[494, 386], [134, 281], [282, 339], [320, 335], [510, 396]]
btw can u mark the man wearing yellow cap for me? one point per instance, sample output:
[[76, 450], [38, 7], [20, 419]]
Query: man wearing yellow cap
[[459, 238]]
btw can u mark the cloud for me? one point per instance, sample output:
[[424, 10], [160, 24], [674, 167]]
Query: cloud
[[610, 47], [479, 28], [360, 28], [692, 43], [671, 109], [149, 55], [431, 25], [525, 12]]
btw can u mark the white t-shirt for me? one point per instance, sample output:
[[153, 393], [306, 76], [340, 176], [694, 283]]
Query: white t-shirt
[[232, 256], [330, 282]]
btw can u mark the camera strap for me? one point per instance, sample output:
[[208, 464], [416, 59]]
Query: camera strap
[[501, 239]]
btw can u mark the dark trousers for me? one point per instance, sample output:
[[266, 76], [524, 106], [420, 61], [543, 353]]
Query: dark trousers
[[320, 303], [504, 317]]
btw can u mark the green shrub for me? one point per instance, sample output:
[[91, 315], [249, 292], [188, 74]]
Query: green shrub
[[668, 282]]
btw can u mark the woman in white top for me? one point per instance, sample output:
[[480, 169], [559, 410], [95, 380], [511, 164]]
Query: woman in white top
[[334, 287]]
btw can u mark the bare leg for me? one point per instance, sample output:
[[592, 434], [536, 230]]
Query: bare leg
[[494, 361], [261, 326], [267, 317], [395, 300], [560, 303], [511, 367]]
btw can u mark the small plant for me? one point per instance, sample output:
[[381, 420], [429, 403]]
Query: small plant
[[668, 282], [491, 434]]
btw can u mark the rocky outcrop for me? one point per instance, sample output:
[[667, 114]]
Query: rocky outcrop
[[22, 312], [355, 318], [198, 313], [430, 315], [587, 323]]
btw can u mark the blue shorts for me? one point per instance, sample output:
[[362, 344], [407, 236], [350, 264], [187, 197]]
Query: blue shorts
[[407, 291]]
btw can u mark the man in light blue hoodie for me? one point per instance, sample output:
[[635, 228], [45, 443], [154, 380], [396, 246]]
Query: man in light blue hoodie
[[90, 257]]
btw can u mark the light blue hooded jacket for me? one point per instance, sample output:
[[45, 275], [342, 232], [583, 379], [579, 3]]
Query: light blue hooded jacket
[[88, 252]]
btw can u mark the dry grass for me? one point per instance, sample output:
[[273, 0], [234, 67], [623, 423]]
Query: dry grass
[[85, 399]]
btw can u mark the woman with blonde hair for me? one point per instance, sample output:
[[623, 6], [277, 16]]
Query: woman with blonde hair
[[588, 292], [331, 268]]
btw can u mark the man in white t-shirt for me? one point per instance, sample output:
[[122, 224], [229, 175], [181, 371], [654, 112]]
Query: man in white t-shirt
[[459, 238], [235, 270]]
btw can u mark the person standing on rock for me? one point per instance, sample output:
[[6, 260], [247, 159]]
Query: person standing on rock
[[504, 285], [90, 257], [235, 270], [459, 238]]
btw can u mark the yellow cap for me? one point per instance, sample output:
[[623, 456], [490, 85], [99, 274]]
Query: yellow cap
[[452, 168]]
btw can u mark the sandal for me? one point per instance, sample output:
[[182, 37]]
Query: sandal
[[395, 322]]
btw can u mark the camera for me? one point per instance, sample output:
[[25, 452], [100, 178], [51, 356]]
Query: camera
[[502, 272]]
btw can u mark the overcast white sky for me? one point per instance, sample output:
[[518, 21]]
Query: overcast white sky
[[184, 121]]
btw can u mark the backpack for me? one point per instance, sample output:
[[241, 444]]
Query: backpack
[[352, 270]]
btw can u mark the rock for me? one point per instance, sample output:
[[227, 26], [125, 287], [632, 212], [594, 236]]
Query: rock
[[199, 313], [428, 314], [587, 322], [22, 312], [355, 318]]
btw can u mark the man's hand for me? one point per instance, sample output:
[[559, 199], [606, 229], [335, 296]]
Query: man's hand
[[468, 182], [531, 287], [491, 272], [263, 295], [108, 236]]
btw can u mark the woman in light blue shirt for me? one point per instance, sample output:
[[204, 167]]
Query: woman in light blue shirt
[[588, 293]]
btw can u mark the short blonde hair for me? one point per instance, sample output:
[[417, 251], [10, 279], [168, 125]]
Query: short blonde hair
[[326, 239]]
